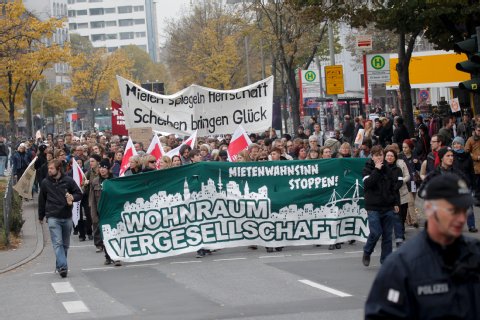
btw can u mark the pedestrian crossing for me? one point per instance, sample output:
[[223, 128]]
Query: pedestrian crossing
[[71, 306]]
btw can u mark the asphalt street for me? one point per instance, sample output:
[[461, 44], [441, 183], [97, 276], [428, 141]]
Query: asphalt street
[[304, 282]]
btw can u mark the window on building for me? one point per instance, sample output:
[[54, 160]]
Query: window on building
[[95, 0], [138, 8], [96, 11], [140, 34], [98, 37], [97, 24], [109, 10], [362, 81], [125, 9], [79, 1], [82, 12], [139, 21], [125, 22], [71, 1], [111, 23], [82, 25], [71, 13], [126, 35], [111, 49], [112, 36]]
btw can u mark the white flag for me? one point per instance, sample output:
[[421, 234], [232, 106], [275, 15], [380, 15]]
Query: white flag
[[240, 141], [129, 151], [78, 177]]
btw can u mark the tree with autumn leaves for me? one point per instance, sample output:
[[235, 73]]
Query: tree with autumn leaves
[[26, 51]]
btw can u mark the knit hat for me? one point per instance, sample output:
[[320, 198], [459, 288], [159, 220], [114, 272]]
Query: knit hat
[[443, 151], [458, 140], [410, 143], [105, 163]]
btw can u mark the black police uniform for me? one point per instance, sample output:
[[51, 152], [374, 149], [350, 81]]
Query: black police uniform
[[423, 280]]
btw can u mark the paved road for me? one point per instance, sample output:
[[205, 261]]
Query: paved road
[[299, 283]]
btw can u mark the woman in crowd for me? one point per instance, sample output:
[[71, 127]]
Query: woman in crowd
[[243, 156], [176, 161], [325, 153], [399, 166], [464, 163], [313, 154], [345, 151], [414, 166], [135, 166], [149, 163], [368, 130], [165, 162], [302, 153]]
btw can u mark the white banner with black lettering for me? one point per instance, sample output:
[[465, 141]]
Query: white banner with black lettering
[[207, 110]]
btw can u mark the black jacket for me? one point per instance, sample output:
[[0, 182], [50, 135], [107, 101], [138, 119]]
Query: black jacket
[[464, 163], [440, 171], [400, 134], [381, 187], [422, 280], [52, 201]]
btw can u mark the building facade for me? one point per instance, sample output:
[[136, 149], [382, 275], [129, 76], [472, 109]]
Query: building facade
[[115, 23]]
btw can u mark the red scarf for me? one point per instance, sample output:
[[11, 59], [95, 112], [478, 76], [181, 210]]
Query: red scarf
[[437, 159]]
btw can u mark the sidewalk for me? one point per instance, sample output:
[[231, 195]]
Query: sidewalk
[[32, 240]]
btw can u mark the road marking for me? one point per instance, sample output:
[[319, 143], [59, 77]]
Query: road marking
[[75, 306], [279, 256], [231, 259], [62, 287], [184, 262], [316, 254], [354, 251], [100, 268], [325, 288], [46, 272], [142, 265]]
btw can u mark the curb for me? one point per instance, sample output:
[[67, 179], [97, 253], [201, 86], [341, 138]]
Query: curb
[[38, 248]]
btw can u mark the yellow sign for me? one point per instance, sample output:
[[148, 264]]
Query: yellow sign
[[431, 69], [334, 79]]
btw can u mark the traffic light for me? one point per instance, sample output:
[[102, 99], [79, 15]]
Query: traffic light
[[472, 65]]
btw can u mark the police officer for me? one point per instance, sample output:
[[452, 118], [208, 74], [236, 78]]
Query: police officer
[[436, 275]]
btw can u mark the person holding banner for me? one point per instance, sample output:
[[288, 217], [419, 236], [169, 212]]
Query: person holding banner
[[103, 174], [55, 201]]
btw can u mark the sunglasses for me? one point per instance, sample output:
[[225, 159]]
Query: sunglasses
[[264, 159], [152, 161]]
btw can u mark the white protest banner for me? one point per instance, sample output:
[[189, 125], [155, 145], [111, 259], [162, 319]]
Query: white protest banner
[[207, 110], [25, 183]]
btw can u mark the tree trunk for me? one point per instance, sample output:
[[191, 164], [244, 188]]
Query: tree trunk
[[294, 97], [404, 80], [28, 109], [11, 110]]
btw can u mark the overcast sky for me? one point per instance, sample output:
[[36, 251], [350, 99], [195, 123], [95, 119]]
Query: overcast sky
[[168, 9]]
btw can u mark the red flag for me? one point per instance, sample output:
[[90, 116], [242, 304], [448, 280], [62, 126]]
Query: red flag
[[78, 177], [118, 121], [129, 151], [190, 141], [240, 141], [156, 149]]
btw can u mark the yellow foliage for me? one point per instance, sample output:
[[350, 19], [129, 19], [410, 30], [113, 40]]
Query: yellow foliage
[[94, 75]]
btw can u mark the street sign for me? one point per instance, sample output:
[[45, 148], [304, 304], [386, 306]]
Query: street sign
[[364, 42], [334, 79], [378, 68], [310, 83]]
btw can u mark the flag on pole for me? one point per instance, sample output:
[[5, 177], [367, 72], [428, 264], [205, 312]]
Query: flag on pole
[[156, 149], [129, 152], [240, 141], [190, 142], [78, 177]]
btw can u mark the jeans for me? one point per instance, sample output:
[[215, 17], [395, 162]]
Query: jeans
[[3, 162], [60, 230], [380, 224]]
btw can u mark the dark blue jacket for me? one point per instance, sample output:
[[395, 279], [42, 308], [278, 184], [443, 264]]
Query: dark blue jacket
[[423, 280]]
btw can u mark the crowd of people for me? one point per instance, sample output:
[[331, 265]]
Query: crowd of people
[[385, 142]]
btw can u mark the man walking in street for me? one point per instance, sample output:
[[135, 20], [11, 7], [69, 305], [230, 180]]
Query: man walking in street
[[55, 201], [436, 275]]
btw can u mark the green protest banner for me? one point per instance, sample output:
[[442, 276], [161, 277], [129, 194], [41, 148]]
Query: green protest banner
[[216, 205]]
